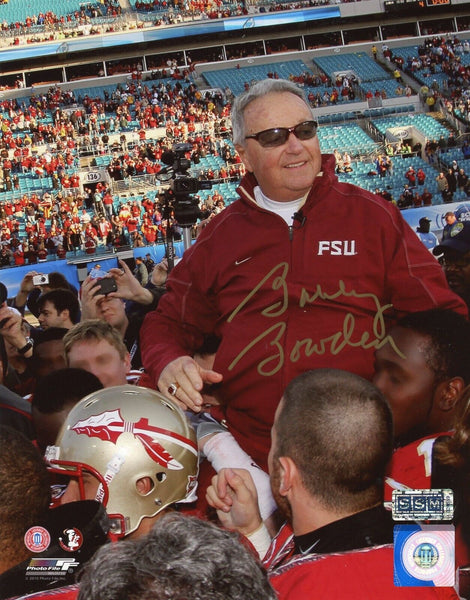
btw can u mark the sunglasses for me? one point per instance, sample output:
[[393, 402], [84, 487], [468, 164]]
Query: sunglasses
[[269, 138]]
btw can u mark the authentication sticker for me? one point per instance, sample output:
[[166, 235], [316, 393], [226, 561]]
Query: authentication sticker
[[37, 539], [422, 505], [424, 555]]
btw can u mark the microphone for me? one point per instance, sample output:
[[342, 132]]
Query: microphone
[[299, 216]]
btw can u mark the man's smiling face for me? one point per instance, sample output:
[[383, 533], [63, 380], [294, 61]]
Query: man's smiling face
[[285, 172]]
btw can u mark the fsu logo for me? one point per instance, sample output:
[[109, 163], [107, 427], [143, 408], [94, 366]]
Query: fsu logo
[[108, 426], [71, 540]]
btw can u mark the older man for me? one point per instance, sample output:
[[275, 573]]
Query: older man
[[301, 272]]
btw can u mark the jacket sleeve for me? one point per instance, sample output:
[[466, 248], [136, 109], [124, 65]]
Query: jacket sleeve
[[185, 315]]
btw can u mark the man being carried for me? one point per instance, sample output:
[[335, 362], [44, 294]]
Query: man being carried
[[288, 278]]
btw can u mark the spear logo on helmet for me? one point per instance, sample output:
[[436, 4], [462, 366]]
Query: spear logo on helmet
[[108, 426]]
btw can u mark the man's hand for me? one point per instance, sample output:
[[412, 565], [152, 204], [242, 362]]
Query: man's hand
[[88, 298], [128, 287], [233, 494], [160, 273], [26, 287], [189, 378], [11, 330]]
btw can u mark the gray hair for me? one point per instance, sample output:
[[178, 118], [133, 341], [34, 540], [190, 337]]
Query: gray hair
[[259, 89], [181, 557]]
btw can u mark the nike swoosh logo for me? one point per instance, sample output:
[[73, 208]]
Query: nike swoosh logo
[[239, 262]]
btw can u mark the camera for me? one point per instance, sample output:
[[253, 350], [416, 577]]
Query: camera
[[41, 279], [106, 285], [178, 198]]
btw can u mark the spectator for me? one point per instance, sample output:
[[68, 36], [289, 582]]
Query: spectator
[[48, 351], [183, 557], [29, 294], [411, 176], [421, 176], [97, 347], [428, 238], [111, 307], [58, 308], [426, 197], [140, 271], [454, 253], [450, 220], [443, 187]]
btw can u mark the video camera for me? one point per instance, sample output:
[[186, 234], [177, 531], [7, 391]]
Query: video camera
[[178, 197]]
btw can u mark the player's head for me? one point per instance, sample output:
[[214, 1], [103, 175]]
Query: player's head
[[182, 557], [25, 496], [54, 397], [130, 448], [336, 428], [454, 451], [423, 380], [96, 346], [48, 351]]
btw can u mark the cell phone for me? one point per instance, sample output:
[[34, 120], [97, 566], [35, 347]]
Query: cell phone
[[41, 279], [106, 286]]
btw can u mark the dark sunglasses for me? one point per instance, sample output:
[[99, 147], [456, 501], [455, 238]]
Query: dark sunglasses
[[269, 138]]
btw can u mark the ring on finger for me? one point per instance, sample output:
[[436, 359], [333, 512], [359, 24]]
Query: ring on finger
[[173, 388]]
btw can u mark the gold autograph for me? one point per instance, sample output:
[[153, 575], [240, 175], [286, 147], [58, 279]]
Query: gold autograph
[[335, 343]]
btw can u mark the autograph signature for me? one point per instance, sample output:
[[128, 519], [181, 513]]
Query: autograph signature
[[334, 343]]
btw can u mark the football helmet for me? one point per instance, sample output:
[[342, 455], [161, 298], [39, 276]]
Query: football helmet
[[124, 435]]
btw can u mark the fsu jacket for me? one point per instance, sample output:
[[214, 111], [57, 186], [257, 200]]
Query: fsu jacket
[[281, 300]]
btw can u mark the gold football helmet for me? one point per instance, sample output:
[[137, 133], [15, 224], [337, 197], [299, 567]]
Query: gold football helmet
[[123, 435]]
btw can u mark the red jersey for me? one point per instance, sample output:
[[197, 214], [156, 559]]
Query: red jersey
[[359, 574], [69, 592], [411, 466]]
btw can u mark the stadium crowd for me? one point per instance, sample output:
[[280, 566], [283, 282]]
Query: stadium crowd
[[44, 140]]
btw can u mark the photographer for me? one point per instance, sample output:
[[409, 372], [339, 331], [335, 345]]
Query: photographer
[[126, 306], [29, 292], [15, 411]]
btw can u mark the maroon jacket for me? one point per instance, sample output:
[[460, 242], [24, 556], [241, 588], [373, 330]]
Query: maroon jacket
[[283, 300]]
